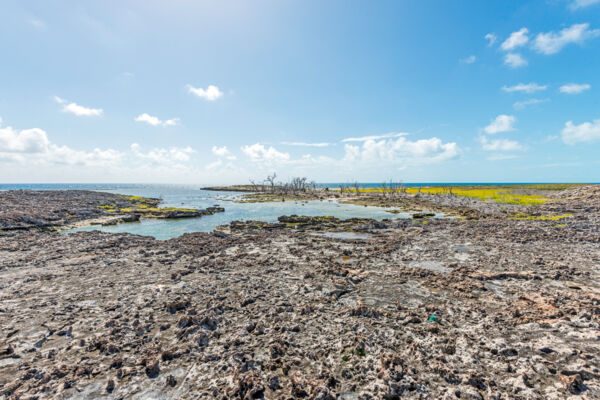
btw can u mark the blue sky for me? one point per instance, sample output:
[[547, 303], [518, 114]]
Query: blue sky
[[222, 92]]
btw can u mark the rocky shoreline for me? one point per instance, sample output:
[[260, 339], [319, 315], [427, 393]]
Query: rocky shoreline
[[64, 209], [494, 307]]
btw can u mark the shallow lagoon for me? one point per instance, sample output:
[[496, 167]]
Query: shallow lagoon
[[193, 197]]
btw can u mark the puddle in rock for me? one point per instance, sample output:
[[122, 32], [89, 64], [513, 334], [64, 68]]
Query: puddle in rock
[[436, 266], [345, 260], [344, 235]]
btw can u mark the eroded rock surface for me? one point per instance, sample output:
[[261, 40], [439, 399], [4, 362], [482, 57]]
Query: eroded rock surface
[[51, 209], [495, 308]]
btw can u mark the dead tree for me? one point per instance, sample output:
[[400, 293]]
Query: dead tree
[[271, 181], [254, 186]]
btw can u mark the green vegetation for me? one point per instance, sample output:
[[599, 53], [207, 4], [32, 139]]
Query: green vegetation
[[541, 217], [501, 194], [173, 209], [299, 189], [142, 205], [543, 186], [498, 195], [359, 351]]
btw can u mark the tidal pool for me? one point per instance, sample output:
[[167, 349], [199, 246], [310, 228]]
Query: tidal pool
[[193, 197]]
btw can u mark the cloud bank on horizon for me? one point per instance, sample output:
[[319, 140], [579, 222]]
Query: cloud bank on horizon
[[256, 90]]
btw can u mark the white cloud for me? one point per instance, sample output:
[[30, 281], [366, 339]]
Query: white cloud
[[574, 88], [520, 105], [352, 152], [374, 137], [211, 93], [30, 156], [583, 3], [78, 110], [25, 141], [173, 155], [469, 60], [32, 147], [516, 39], [303, 144], [525, 87], [223, 152], [401, 150], [154, 121], [66, 155], [500, 145], [502, 123], [491, 38], [551, 42], [259, 153], [220, 151], [585, 132], [514, 60]]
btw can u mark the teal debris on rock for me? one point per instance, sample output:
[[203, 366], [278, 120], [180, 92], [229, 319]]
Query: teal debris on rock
[[433, 318]]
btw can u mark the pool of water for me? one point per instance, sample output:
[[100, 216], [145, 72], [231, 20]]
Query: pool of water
[[194, 197], [344, 235]]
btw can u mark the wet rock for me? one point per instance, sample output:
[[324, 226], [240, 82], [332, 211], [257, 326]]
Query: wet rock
[[574, 384], [274, 383], [422, 215], [171, 381], [509, 352], [110, 386], [202, 340], [152, 368]]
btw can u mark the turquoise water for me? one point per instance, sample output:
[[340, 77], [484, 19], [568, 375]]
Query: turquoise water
[[188, 196], [191, 196]]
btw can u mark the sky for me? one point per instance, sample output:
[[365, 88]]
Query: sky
[[223, 92]]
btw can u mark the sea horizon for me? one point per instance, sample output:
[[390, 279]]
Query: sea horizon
[[108, 185]]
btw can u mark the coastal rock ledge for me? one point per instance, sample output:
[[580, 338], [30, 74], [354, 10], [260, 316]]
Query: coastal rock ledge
[[308, 307], [53, 209]]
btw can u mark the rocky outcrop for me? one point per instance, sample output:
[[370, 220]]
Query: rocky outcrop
[[53, 209], [495, 308]]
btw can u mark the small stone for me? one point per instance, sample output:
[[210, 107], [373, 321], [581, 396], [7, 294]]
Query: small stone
[[110, 386], [171, 381], [274, 383], [152, 369]]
